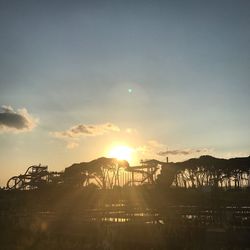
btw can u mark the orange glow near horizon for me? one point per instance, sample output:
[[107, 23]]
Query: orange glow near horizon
[[121, 152]]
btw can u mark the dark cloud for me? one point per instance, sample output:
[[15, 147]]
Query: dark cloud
[[86, 130], [182, 152], [16, 121]]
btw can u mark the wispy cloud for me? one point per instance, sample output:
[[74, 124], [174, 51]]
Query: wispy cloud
[[16, 121], [155, 149], [72, 145], [75, 133], [131, 131], [234, 154], [150, 149], [83, 130], [151, 146], [184, 152]]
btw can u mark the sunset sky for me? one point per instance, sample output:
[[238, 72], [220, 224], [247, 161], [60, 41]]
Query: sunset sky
[[165, 78]]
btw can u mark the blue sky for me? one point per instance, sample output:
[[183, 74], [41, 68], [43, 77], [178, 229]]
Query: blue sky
[[71, 63]]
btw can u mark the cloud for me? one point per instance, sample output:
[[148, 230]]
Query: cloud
[[155, 149], [72, 145], [183, 152], [152, 146], [83, 130], [73, 135], [149, 149], [235, 154], [16, 121], [155, 144], [131, 131]]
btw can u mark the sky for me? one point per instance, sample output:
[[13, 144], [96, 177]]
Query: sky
[[166, 78]]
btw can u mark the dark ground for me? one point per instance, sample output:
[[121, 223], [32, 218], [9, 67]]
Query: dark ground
[[131, 218]]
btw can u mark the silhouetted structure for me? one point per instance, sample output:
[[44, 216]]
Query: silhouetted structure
[[107, 173], [34, 177]]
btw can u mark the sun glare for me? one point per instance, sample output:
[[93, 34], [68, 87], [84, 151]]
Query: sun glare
[[121, 153]]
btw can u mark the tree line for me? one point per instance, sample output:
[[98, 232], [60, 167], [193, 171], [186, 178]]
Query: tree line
[[207, 171]]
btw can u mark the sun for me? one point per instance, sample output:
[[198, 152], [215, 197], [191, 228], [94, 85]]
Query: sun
[[121, 153]]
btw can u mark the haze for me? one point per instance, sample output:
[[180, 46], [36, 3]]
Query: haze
[[164, 78]]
